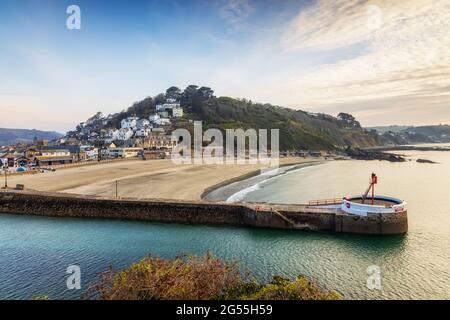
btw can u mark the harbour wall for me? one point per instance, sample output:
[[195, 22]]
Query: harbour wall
[[198, 212]]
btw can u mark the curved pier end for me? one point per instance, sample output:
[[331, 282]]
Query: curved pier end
[[381, 224], [262, 215]]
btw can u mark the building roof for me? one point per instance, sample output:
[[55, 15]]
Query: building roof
[[8, 155], [70, 148], [53, 158]]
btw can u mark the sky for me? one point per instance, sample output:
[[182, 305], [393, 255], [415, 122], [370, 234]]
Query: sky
[[386, 62]]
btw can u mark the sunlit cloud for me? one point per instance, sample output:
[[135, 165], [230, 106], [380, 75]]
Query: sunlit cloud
[[405, 52]]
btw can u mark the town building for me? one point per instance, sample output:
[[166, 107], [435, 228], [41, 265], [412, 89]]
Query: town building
[[55, 153], [53, 157], [164, 114], [129, 123], [154, 118], [160, 141], [142, 123], [177, 112], [144, 132], [121, 152], [123, 134], [169, 104], [91, 153], [164, 121], [8, 160]]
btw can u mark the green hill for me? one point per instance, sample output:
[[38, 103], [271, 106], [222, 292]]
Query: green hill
[[298, 129], [411, 134], [13, 136]]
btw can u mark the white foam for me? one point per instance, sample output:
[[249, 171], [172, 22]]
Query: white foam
[[276, 173], [240, 195]]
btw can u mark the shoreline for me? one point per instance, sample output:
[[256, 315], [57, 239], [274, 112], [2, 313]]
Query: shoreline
[[154, 179], [219, 192]]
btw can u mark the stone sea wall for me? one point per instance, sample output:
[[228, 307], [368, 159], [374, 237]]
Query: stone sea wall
[[193, 212]]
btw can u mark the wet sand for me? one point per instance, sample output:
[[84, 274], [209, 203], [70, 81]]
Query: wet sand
[[160, 179]]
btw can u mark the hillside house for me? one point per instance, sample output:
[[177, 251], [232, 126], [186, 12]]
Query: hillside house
[[170, 104], [154, 118], [177, 112], [144, 132], [163, 122], [129, 123], [142, 123], [123, 134], [164, 114]]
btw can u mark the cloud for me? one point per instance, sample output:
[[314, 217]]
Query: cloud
[[235, 13], [404, 51]]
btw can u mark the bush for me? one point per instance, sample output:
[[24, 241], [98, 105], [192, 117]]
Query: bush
[[198, 278], [182, 278], [299, 289]]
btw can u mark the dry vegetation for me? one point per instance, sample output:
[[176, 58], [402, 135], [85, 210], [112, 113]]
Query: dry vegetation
[[198, 278]]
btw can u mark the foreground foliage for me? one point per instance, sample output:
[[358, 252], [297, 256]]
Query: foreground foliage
[[198, 278]]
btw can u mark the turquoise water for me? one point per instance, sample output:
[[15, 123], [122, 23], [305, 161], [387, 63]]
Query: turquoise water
[[35, 251]]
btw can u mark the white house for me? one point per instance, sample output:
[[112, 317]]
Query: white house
[[158, 130], [160, 107], [177, 112], [129, 123], [163, 114], [124, 134], [154, 117], [142, 123], [124, 152], [164, 121], [91, 152], [170, 104], [107, 139], [56, 153], [143, 132]]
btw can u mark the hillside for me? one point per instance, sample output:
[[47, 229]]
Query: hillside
[[13, 136], [298, 129], [411, 135]]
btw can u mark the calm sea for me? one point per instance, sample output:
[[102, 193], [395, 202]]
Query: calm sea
[[35, 251]]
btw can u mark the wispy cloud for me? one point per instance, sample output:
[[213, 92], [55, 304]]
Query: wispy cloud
[[406, 51], [235, 13], [385, 61]]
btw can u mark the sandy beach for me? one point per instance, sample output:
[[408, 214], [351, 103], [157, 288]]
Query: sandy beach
[[160, 179]]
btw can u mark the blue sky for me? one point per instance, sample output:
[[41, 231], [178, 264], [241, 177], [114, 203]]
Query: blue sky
[[314, 55]]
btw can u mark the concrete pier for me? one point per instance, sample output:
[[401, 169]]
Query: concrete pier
[[298, 217]]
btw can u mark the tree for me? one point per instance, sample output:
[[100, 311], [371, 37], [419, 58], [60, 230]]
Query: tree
[[160, 98], [173, 93], [346, 120], [205, 93], [190, 91]]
